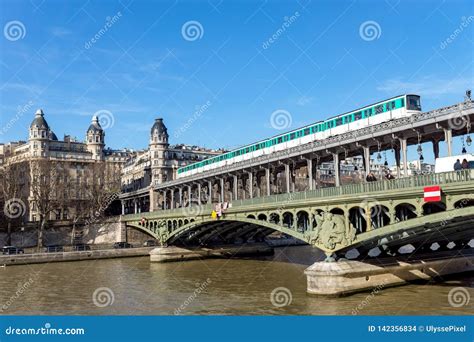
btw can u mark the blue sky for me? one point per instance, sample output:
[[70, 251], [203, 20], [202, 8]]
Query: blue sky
[[144, 64]]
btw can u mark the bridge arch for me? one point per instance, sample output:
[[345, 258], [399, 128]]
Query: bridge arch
[[358, 219], [238, 229], [405, 211], [379, 215], [464, 203], [288, 219], [303, 221], [433, 208]]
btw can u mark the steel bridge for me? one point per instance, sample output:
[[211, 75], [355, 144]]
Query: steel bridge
[[351, 221]]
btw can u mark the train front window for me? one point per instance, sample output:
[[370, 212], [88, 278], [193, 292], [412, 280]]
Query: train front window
[[413, 102]]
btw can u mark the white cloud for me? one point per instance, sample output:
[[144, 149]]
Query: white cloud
[[430, 87]]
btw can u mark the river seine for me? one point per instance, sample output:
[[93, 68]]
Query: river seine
[[134, 286]]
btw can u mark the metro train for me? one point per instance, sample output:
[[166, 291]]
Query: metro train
[[393, 108]]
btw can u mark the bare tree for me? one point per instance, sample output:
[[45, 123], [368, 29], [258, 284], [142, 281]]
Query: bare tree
[[48, 191], [12, 197], [99, 188]]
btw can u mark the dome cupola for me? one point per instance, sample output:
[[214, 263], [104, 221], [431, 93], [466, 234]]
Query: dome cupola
[[39, 122]]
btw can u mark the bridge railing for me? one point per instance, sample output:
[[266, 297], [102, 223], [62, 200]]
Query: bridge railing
[[378, 186], [349, 189]]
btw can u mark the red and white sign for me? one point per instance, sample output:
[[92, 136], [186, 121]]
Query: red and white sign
[[432, 193]]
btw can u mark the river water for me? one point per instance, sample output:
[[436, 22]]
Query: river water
[[134, 286]]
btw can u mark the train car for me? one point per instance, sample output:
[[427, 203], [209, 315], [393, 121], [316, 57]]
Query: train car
[[393, 108]]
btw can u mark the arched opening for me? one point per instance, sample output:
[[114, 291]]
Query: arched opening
[[251, 217], [302, 221], [405, 212], [262, 217], [288, 219], [274, 218], [180, 223], [186, 221], [337, 211], [433, 208], [358, 219], [464, 203], [175, 224], [155, 224], [379, 216]]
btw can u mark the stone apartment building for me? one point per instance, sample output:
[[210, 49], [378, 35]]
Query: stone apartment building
[[156, 164], [76, 165]]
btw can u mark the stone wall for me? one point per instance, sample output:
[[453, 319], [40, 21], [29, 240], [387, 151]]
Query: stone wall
[[106, 233]]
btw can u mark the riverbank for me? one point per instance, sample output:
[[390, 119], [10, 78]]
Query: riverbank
[[38, 258]]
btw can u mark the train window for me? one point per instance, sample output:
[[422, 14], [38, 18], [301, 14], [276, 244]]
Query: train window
[[403, 102], [378, 109], [413, 102], [358, 116], [279, 140], [292, 136], [338, 121], [306, 131]]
